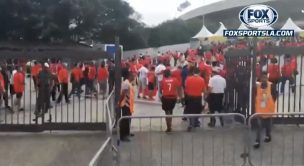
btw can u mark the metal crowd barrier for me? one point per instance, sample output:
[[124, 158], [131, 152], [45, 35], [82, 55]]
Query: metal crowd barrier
[[286, 147], [151, 146], [104, 156]]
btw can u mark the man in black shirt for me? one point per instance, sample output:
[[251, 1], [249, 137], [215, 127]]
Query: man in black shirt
[[5, 75]]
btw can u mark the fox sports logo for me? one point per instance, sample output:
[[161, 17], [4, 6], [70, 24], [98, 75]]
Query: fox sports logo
[[256, 16]]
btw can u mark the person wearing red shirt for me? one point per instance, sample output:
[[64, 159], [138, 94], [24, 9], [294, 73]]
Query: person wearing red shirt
[[2, 88], [75, 80], [194, 87], [63, 78], [19, 83], [177, 74], [102, 76], [205, 70], [169, 89], [274, 71], [151, 82], [35, 71], [287, 71], [91, 79]]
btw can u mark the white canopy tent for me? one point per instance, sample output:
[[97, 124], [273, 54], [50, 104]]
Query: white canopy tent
[[243, 27], [265, 28], [291, 25], [219, 32], [203, 33]]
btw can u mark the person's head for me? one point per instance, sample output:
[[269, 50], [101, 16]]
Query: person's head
[[46, 66], [264, 77], [146, 65], [196, 71], [167, 73], [274, 60], [215, 70], [102, 64], [75, 65], [152, 68]]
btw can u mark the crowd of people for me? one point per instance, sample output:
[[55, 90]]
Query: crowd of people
[[51, 80], [197, 79]]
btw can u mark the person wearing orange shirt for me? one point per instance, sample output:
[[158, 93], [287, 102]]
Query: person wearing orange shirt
[[19, 83], [287, 71], [63, 78], [151, 82], [75, 80], [91, 79], [169, 89], [264, 103], [2, 88], [102, 76], [177, 74], [35, 71], [194, 87]]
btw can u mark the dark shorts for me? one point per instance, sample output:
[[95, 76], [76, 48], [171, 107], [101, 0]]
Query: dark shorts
[[215, 101], [193, 105], [168, 105], [151, 86], [19, 95]]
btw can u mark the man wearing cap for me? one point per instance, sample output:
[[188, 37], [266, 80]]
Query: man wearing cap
[[217, 86], [45, 83]]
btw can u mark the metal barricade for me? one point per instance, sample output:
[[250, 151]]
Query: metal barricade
[[152, 146], [104, 156], [287, 141]]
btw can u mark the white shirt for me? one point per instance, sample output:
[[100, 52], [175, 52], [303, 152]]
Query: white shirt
[[217, 84], [12, 77], [143, 72], [158, 70]]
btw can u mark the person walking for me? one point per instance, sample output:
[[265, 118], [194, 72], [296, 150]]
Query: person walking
[[194, 88], [46, 82], [264, 103], [159, 75], [151, 82], [217, 86], [102, 76], [143, 81], [287, 74], [75, 80], [19, 85], [63, 78], [169, 89], [274, 72], [5, 74], [126, 103]]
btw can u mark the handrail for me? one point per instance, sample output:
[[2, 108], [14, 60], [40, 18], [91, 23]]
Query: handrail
[[110, 130], [100, 151], [272, 115]]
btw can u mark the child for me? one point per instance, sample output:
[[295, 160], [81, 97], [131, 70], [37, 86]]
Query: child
[[151, 80]]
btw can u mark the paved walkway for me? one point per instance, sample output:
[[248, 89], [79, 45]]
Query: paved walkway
[[206, 146], [49, 149]]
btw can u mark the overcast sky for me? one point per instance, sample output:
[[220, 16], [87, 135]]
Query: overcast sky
[[157, 11]]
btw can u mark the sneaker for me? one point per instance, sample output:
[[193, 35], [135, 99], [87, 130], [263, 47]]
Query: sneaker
[[256, 145], [267, 139], [211, 125], [189, 129], [125, 140], [132, 135], [184, 119], [168, 130]]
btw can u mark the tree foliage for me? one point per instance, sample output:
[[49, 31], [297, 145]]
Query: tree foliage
[[174, 32], [89, 20]]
